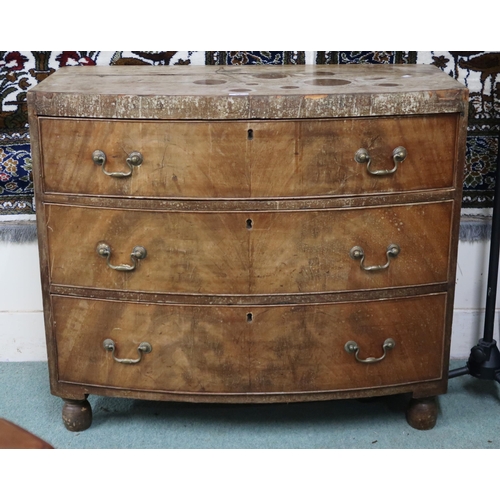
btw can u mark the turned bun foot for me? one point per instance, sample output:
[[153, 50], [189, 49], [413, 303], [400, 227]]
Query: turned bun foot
[[422, 413], [76, 414]]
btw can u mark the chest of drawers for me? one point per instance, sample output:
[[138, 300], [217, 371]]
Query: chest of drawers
[[248, 234]]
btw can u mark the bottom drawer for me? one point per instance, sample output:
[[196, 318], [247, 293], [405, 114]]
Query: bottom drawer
[[252, 349]]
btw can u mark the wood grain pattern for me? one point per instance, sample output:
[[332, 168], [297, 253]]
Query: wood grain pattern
[[43, 250], [218, 253], [248, 159], [223, 350]]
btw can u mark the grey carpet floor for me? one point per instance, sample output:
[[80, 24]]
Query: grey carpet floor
[[469, 417]]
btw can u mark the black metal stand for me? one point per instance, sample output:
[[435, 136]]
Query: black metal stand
[[484, 359]]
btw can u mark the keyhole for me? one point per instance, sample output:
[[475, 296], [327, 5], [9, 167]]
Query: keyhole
[[249, 223], [250, 134], [249, 317]]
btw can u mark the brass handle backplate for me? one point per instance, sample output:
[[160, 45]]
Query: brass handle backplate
[[144, 348], [398, 155], [134, 159], [352, 348], [357, 252], [138, 253]]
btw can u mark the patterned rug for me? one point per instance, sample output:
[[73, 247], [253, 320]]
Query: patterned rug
[[21, 70]]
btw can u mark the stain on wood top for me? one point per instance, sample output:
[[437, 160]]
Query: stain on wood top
[[249, 92]]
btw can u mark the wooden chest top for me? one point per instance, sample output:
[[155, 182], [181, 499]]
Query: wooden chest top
[[236, 92]]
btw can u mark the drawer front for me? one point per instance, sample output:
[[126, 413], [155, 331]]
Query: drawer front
[[249, 349], [242, 159], [250, 253]]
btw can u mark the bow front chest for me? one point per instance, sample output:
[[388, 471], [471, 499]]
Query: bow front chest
[[248, 234]]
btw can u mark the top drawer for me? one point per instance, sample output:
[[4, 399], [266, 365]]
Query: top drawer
[[247, 159]]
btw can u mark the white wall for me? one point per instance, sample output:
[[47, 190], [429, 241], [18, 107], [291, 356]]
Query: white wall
[[22, 335], [470, 298]]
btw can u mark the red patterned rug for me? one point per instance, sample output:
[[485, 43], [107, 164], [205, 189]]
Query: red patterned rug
[[21, 70]]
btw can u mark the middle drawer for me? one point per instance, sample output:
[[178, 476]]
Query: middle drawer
[[235, 253]]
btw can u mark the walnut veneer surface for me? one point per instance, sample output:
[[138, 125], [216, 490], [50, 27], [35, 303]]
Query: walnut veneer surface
[[272, 234]]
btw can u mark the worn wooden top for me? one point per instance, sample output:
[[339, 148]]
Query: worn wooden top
[[246, 92]]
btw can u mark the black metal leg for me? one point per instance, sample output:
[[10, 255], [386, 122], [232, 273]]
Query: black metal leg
[[484, 359], [458, 371]]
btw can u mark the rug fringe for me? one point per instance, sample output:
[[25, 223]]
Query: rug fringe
[[18, 231], [472, 229], [475, 228]]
